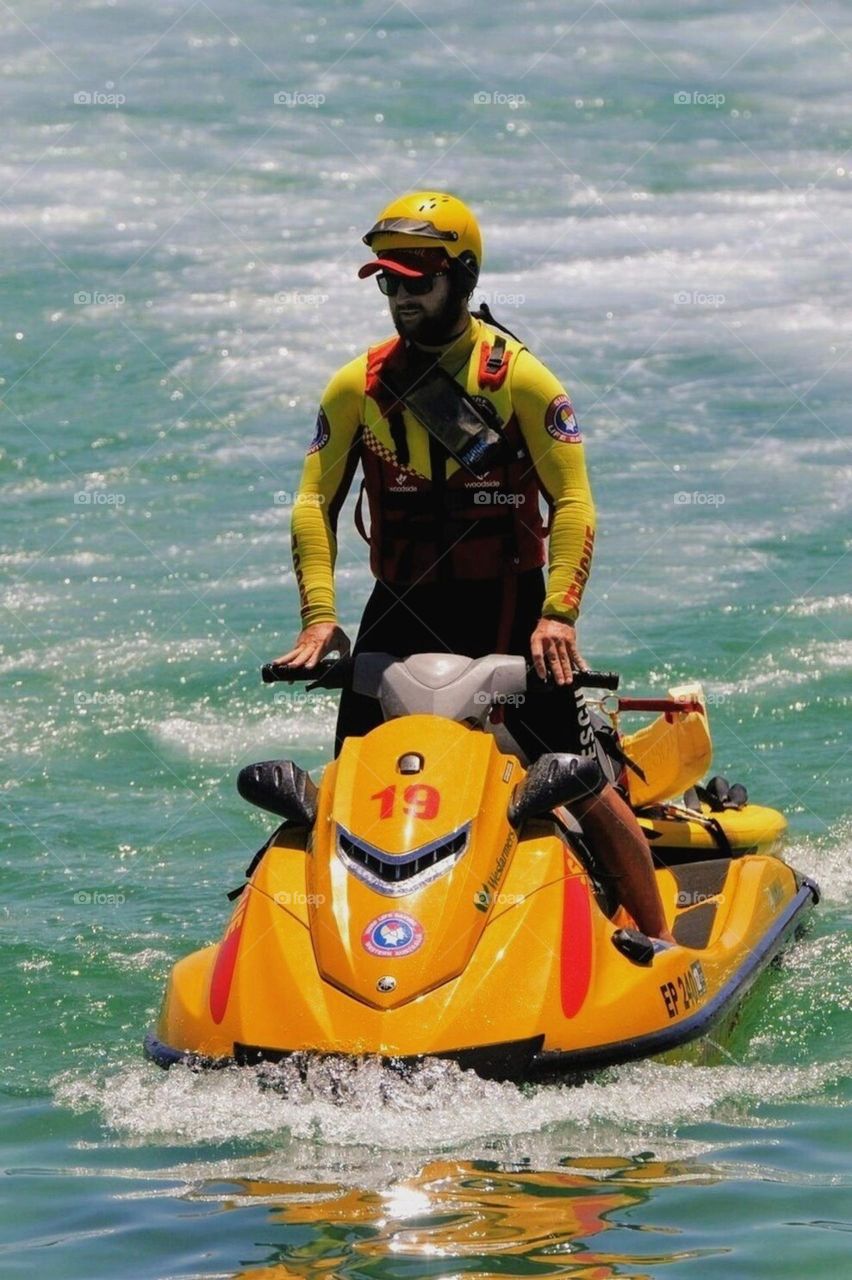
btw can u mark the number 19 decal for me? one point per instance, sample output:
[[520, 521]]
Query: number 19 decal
[[418, 801]]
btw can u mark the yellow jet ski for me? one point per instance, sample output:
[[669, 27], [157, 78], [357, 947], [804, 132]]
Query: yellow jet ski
[[433, 896]]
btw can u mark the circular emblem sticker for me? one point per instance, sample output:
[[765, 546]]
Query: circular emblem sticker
[[392, 934], [560, 421]]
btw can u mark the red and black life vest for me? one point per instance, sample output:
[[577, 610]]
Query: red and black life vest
[[457, 527]]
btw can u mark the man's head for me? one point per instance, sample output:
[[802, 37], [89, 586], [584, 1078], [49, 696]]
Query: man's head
[[428, 255]]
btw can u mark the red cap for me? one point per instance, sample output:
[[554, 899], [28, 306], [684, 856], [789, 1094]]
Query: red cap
[[407, 262]]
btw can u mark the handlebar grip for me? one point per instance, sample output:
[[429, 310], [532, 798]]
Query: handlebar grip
[[580, 680], [596, 679], [329, 673]]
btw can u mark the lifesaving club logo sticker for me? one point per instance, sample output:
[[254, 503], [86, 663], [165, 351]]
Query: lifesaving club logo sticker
[[322, 433], [560, 421], [392, 934]]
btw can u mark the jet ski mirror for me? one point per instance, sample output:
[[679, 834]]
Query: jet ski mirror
[[281, 787], [555, 778]]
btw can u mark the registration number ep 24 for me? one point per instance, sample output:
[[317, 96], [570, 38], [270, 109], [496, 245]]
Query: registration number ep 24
[[686, 991]]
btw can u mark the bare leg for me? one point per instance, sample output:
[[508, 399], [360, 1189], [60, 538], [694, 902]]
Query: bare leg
[[618, 841]]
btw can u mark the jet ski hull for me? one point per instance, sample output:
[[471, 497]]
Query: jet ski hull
[[569, 1003]]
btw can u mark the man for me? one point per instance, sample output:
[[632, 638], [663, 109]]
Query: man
[[458, 428]]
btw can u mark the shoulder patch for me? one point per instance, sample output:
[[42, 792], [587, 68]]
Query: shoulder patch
[[560, 422], [322, 433]]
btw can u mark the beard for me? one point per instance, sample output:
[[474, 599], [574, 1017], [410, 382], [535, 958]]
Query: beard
[[432, 330]]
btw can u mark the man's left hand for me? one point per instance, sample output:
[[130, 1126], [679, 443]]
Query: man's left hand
[[554, 649]]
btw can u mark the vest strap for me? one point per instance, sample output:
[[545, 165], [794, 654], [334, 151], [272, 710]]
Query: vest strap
[[493, 364], [359, 512], [399, 435]]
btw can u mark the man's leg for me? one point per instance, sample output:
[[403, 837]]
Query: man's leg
[[557, 719], [400, 621], [378, 632], [620, 845]]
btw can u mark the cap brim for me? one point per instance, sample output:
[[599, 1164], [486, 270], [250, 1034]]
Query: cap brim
[[387, 264]]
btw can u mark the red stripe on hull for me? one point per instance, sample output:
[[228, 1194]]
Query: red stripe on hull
[[223, 970], [576, 957]]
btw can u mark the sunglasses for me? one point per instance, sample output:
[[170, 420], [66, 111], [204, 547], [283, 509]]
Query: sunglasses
[[389, 283]]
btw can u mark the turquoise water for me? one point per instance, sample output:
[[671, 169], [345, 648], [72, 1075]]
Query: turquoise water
[[684, 266]]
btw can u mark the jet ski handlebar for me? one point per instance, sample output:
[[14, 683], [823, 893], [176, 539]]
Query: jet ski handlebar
[[592, 680], [329, 673], [337, 673]]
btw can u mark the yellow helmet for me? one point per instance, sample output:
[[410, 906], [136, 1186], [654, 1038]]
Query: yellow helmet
[[430, 220]]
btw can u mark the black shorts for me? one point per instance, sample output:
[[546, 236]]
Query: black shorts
[[473, 619]]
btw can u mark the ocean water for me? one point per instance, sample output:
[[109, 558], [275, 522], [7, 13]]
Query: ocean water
[[666, 205]]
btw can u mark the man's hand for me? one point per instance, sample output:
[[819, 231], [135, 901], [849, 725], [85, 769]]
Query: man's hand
[[314, 643], [554, 648]]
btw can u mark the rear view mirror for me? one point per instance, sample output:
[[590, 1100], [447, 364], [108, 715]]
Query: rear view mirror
[[555, 778], [280, 787]]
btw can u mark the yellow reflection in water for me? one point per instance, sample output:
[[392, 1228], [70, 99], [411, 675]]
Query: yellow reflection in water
[[468, 1217]]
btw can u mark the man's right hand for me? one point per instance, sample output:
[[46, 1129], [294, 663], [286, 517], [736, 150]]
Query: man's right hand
[[313, 644]]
